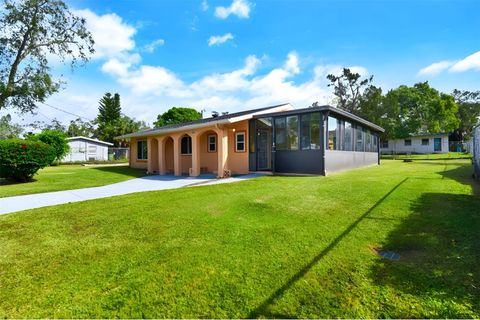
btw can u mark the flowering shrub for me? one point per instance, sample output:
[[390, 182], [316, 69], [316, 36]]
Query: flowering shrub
[[21, 159]]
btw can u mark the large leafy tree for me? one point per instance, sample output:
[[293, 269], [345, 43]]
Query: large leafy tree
[[468, 112], [31, 33], [54, 138], [78, 127], [348, 89], [8, 129], [177, 115]]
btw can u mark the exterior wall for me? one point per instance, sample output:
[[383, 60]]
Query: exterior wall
[[186, 163], [134, 162], [85, 150], [299, 161], [398, 145], [208, 160], [169, 156], [476, 152], [336, 161], [237, 161]]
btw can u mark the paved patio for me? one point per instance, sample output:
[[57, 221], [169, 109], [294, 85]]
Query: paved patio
[[147, 183]]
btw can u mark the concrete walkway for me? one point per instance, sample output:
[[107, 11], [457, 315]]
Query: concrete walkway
[[147, 183]]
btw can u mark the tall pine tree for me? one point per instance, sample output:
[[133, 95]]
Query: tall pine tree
[[109, 110]]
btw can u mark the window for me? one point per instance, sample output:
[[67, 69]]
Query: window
[[368, 141], [425, 142], [408, 142], [348, 136], [186, 145], [375, 143], [212, 143], [142, 150], [310, 131], [92, 149], [359, 139], [384, 144], [280, 134], [292, 131], [332, 133], [240, 142]]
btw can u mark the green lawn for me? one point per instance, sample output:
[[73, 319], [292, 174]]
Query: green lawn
[[276, 247], [432, 156], [69, 177]]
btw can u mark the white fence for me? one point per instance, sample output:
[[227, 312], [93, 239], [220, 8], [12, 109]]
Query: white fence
[[476, 151]]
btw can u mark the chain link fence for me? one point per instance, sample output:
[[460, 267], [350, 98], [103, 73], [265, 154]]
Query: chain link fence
[[476, 151], [118, 153]]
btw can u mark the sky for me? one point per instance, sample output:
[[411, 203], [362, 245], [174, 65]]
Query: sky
[[233, 55]]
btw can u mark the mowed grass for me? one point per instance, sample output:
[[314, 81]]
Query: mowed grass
[[431, 156], [69, 177], [275, 247]]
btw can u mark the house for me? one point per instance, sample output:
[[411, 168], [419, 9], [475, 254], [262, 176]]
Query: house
[[280, 139], [423, 143], [86, 149], [476, 151]]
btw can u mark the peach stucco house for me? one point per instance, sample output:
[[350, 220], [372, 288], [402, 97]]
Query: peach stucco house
[[279, 139]]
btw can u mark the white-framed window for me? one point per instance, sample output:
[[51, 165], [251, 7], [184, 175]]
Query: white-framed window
[[240, 141], [142, 153], [408, 142], [92, 149], [425, 142], [186, 145], [212, 143]]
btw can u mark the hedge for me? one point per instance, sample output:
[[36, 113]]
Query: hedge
[[21, 159]]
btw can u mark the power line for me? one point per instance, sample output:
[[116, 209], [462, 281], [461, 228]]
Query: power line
[[68, 112]]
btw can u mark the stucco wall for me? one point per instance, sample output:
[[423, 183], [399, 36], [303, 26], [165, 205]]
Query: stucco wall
[[398, 145], [237, 161], [134, 162], [208, 160], [343, 160]]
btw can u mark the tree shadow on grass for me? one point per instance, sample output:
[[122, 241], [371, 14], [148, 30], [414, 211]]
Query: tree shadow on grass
[[123, 170], [439, 246], [263, 310]]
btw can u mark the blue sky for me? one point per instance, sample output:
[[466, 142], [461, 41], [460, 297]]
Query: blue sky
[[237, 54]]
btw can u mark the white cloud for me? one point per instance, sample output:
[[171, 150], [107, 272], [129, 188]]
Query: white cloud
[[292, 63], [239, 8], [435, 68], [150, 47], [204, 5], [217, 40], [111, 34], [472, 62]]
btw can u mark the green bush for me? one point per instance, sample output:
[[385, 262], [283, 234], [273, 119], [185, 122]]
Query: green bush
[[56, 139], [21, 159]]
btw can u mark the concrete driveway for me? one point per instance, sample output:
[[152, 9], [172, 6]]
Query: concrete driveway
[[147, 183]]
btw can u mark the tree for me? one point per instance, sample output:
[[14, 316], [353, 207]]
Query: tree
[[31, 32], [54, 138], [419, 109], [122, 126], [78, 127], [9, 130], [348, 89], [468, 112], [109, 110], [177, 115]]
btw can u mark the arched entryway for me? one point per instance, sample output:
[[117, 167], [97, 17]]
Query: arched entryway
[[168, 153], [185, 147]]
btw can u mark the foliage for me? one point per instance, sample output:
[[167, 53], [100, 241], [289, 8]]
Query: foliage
[[468, 112], [31, 32], [109, 110], [124, 125], [54, 138], [177, 115], [21, 159], [348, 89], [78, 127], [71, 176], [272, 247], [54, 124], [9, 130]]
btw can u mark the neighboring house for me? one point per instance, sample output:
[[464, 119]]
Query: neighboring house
[[86, 149], [476, 151], [316, 140], [428, 143]]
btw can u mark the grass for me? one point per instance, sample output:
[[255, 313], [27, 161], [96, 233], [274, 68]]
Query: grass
[[276, 247], [432, 156], [67, 177]]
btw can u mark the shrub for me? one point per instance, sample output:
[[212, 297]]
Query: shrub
[[21, 159], [56, 139]]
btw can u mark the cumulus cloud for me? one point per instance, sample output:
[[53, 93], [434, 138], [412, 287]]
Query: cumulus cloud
[[471, 62], [111, 34], [239, 8], [217, 40], [150, 47], [435, 68]]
